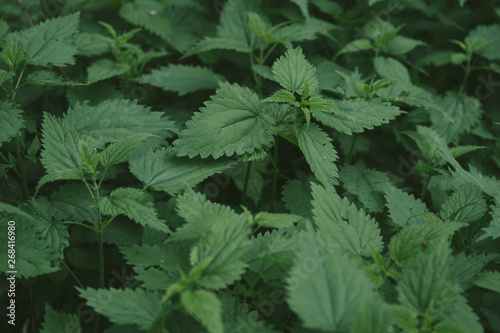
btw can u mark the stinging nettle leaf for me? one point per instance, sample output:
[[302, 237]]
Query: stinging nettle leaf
[[134, 204], [183, 79], [391, 68], [59, 322], [404, 209], [320, 154], [340, 221], [226, 243], [354, 116], [47, 78], [50, 42], [103, 69], [61, 155], [162, 170], [292, 71], [119, 151], [115, 120], [127, 307], [206, 306], [148, 14], [326, 290], [233, 122], [465, 205], [11, 119]]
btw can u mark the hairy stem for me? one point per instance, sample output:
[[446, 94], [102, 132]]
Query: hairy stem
[[424, 187], [26, 15], [20, 168], [351, 150], [72, 274]]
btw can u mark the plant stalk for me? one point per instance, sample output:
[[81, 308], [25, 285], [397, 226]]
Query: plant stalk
[[245, 184], [275, 175]]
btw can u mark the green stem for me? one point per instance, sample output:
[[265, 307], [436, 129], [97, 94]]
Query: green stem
[[72, 274], [245, 185], [466, 77], [424, 187], [17, 84], [80, 224], [275, 175], [351, 150], [20, 167]]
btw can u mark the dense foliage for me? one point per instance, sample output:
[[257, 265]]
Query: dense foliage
[[251, 166]]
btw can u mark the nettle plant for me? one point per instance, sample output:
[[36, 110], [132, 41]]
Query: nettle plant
[[310, 229]]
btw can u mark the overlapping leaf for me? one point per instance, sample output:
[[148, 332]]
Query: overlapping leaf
[[163, 171], [233, 122], [11, 120]]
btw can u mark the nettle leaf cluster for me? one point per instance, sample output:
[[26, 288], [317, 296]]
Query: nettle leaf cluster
[[251, 166]]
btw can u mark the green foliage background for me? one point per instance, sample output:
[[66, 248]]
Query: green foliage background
[[251, 166]]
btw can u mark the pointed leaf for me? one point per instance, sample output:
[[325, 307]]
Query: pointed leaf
[[319, 153], [119, 151], [127, 307], [404, 209], [11, 120], [134, 204], [163, 171], [182, 79], [50, 42], [341, 222], [233, 122], [115, 120], [325, 290], [61, 153], [103, 69], [355, 116], [292, 70], [465, 205], [47, 78], [148, 14], [226, 244], [59, 322], [391, 68], [205, 306]]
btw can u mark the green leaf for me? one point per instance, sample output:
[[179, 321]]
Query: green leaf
[[485, 40], [134, 204], [367, 184], [303, 7], [47, 78], [217, 43], [50, 42], [427, 281], [341, 222], [493, 230], [12, 121], [466, 268], [464, 315], [270, 220], [404, 209], [391, 68], [13, 53], [205, 306], [355, 46], [4, 27], [292, 71], [374, 316], [297, 197], [400, 45], [103, 69], [233, 122], [148, 14], [326, 290], [115, 120], [459, 116], [127, 306], [163, 171], [119, 151], [6, 75], [61, 150], [193, 205], [72, 202], [465, 205], [320, 154], [414, 239], [183, 79], [59, 322], [282, 96], [489, 280], [354, 116], [226, 244]]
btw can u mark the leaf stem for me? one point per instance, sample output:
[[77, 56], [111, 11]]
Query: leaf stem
[[72, 273], [275, 175], [424, 187], [26, 15], [466, 77], [245, 184], [20, 166], [351, 150]]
